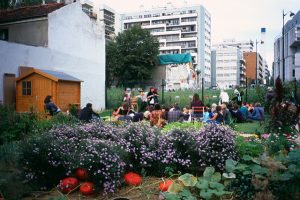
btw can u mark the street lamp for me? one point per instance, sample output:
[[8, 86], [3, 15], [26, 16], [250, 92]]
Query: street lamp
[[256, 42], [283, 59]]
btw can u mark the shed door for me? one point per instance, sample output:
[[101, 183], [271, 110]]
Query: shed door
[[9, 89]]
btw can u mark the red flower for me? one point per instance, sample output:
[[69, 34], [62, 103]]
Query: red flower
[[81, 174], [87, 188], [68, 184], [163, 186], [132, 178]]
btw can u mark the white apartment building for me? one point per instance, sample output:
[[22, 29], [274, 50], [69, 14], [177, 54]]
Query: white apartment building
[[228, 67], [291, 53], [179, 30], [245, 46]]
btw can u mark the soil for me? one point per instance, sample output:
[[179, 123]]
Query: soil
[[149, 190]]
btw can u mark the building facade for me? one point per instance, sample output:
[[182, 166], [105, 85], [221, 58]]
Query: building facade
[[228, 67], [106, 16], [245, 46], [55, 37], [178, 30], [291, 55], [254, 67]]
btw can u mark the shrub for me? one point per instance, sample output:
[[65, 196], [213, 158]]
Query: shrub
[[214, 145], [180, 125], [15, 126], [52, 155], [252, 147]]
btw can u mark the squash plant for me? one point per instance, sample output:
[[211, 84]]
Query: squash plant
[[190, 187]]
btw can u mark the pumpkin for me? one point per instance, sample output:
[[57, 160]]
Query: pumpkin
[[132, 178], [68, 184], [163, 186], [81, 174], [87, 188]]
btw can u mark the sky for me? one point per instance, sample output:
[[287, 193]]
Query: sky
[[231, 19]]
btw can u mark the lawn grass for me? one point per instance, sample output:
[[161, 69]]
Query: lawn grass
[[250, 127]]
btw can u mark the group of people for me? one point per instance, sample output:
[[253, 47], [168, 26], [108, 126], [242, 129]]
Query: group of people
[[222, 114]]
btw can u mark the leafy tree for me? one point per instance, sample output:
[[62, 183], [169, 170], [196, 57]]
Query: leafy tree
[[131, 56]]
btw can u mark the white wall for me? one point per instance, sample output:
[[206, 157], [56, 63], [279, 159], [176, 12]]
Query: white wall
[[76, 48]]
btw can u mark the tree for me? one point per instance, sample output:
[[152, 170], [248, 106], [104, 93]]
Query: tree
[[132, 55]]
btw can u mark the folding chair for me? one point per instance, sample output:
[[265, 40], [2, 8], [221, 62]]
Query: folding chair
[[134, 104], [197, 114]]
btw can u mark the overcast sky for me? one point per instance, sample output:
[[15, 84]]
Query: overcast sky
[[239, 19]]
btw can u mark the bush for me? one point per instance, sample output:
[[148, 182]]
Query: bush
[[214, 145], [49, 157], [252, 147], [15, 126]]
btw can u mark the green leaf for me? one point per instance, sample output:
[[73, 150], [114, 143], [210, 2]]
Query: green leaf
[[227, 183], [217, 186], [208, 172], [206, 194], [241, 167], [175, 188], [247, 172], [216, 177], [256, 160], [230, 165], [202, 184], [188, 180], [170, 196], [247, 158], [286, 176], [187, 195], [229, 175], [257, 169]]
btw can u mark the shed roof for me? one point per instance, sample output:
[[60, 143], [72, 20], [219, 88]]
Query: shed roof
[[53, 75], [28, 12]]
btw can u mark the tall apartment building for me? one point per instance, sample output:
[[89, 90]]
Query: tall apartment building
[[291, 56], [107, 16], [179, 30], [245, 46], [228, 67], [255, 67]]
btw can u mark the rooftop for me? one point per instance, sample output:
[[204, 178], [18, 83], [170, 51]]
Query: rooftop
[[28, 12]]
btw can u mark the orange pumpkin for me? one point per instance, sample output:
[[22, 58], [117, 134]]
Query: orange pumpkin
[[163, 186], [68, 184], [81, 174], [87, 188], [132, 178]]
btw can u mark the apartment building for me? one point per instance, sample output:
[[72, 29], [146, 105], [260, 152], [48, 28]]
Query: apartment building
[[245, 46], [107, 16], [179, 30], [291, 55], [228, 66], [254, 67]]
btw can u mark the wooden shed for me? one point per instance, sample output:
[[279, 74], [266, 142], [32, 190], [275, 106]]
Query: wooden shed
[[32, 88]]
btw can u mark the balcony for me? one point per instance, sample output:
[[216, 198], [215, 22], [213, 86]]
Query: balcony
[[295, 37]]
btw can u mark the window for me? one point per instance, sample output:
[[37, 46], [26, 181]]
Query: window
[[4, 34], [26, 88]]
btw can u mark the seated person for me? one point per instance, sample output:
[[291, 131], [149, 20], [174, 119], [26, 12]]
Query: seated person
[[175, 115], [207, 114], [258, 113], [226, 113], [122, 112], [87, 113], [156, 117], [244, 110], [50, 105], [218, 116], [237, 114], [187, 114]]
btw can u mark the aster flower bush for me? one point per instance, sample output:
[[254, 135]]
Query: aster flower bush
[[140, 141], [175, 149], [214, 145], [55, 154]]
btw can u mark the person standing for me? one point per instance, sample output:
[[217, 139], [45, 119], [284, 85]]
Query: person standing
[[152, 96]]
